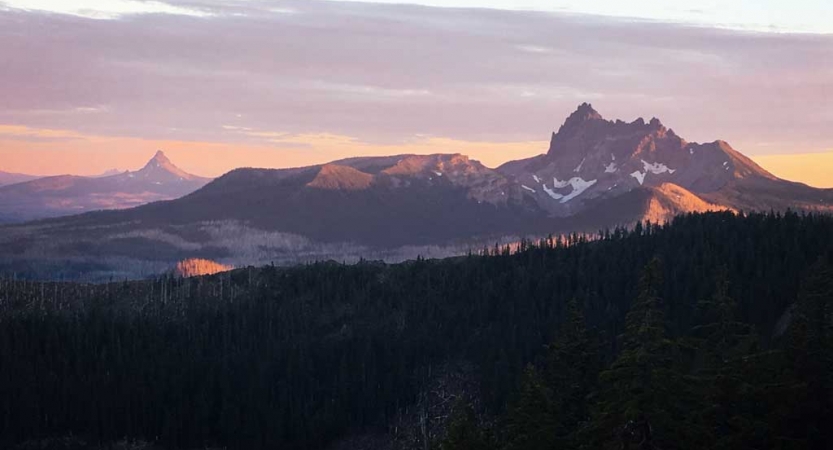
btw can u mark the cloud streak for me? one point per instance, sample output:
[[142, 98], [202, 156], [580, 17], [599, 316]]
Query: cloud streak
[[798, 16], [383, 75], [102, 9]]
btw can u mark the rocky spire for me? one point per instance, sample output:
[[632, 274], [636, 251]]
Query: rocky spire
[[577, 121], [584, 113]]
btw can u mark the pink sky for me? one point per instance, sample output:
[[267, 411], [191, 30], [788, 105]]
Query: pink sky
[[288, 83]]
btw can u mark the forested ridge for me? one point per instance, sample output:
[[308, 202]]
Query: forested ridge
[[714, 331]]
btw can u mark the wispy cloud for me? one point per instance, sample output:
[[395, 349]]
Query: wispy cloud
[[535, 49], [102, 9], [24, 133], [383, 74], [797, 16], [70, 111]]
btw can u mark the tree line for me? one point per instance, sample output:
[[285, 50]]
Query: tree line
[[712, 331], [715, 387]]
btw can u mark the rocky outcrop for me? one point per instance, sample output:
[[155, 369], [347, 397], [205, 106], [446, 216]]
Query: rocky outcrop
[[592, 159], [195, 267], [337, 177]]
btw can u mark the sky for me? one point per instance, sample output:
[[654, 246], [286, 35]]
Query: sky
[[91, 85]]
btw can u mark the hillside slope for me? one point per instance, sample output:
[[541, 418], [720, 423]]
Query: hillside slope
[[7, 178]]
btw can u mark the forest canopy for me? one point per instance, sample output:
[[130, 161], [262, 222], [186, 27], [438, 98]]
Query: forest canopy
[[713, 331]]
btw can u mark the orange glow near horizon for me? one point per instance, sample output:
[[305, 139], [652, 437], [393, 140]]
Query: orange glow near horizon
[[55, 152], [814, 169]]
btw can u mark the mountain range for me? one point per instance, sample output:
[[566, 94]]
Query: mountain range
[[592, 161], [62, 195], [7, 178], [596, 174]]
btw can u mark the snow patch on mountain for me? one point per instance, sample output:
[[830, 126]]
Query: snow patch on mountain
[[578, 169], [528, 188], [657, 168], [654, 168], [578, 184], [559, 184], [611, 168], [552, 193], [537, 180]]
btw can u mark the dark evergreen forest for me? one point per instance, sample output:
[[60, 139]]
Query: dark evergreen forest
[[712, 332]]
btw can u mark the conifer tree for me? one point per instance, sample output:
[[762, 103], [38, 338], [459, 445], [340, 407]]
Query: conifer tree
[[730, 374], [463, 432], [572, 368], [552, 404], [533, 421], [642, 400], [810, 352]]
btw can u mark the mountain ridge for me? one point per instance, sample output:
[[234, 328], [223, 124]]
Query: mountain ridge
[[596, 174], [60, 195], [591, 157], [7, 178]]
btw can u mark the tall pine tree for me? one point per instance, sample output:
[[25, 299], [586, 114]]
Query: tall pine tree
[[810, 352], [730, 373], [463, 432], [552, 405], [643, 400]]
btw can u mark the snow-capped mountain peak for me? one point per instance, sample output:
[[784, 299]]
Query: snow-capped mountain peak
[[601, 158]]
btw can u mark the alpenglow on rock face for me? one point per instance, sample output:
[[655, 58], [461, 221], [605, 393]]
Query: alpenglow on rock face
[[591, 159], [596, 174], [195, 267]]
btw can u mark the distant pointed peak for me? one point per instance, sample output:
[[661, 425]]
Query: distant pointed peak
[[160, 164], [159, 160], [160, 157]]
